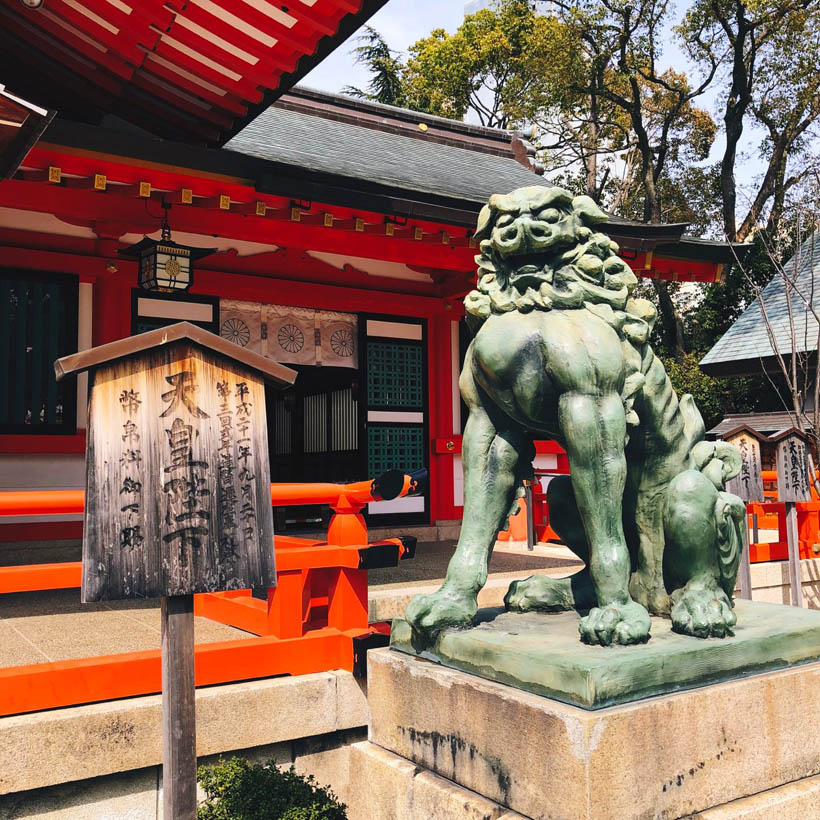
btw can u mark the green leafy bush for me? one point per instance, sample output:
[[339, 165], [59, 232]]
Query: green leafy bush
[[237, 789]]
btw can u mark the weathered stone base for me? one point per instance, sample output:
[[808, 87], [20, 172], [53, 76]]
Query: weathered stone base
[[384, 785], [541, 653], [669, 757]]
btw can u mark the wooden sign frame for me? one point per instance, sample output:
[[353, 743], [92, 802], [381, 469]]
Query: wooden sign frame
[[748, 486], [177, 497]]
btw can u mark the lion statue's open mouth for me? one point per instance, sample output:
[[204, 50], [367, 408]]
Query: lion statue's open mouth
[[539, 251]]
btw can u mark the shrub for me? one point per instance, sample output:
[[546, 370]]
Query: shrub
[[237, 789]]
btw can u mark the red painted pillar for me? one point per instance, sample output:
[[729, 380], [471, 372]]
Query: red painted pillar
[[439, 356]]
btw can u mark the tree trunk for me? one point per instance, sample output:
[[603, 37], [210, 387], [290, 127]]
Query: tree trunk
[[737, 103], [672, 323]]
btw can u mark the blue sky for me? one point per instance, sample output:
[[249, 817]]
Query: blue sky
[[401, 23]]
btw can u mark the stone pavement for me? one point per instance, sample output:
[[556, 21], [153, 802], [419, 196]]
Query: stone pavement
[[36, 627]]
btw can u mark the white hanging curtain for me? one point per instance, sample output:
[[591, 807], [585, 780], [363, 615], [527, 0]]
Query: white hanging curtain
[[292, 335]]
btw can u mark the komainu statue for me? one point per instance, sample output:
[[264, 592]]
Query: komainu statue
[[561, 351]]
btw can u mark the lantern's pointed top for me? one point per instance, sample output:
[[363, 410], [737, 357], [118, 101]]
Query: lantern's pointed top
[[271, 371]]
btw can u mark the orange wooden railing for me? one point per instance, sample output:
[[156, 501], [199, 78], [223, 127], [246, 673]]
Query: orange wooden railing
[[314, 620]]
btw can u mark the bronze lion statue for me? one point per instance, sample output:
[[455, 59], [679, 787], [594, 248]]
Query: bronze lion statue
[[561, 351]]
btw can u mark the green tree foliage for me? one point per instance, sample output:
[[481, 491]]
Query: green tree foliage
[[386, 84], [714, 397], [503, 64], [239, 790]]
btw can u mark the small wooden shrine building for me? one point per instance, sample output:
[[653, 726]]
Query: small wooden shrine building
[[340, 230]]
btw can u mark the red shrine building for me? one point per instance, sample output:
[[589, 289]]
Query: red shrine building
[[330, 234]]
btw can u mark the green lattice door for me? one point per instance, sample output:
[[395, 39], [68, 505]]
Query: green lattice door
[[395, 393]]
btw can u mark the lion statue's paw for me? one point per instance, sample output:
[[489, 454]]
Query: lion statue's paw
[[627, 623], [703, 611], [430, 614]]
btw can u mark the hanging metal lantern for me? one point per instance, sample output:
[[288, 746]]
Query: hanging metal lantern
[[165, 266]]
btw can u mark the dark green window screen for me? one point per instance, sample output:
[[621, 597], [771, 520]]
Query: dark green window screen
[[398, 447], [395, 375], [38, 324]]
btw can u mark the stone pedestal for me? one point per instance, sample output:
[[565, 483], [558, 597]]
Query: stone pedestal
[[541, 653], [445, 744]]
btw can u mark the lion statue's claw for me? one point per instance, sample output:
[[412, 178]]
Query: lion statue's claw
[[429, 614], [704, 612], [624, 624]]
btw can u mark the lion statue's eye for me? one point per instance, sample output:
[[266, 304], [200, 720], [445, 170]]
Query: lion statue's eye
[[549, 215], [504, 220]]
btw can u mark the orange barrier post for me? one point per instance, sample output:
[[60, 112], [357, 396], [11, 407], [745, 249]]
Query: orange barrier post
[[313, 620]]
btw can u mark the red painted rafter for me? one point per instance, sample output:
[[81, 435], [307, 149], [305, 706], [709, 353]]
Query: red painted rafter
[[181, 99], [225, 101], [64, 32], [284, 53], [107, 44], [240, 85], [31, 37], [122, 43], [258, 72], [301, 43]]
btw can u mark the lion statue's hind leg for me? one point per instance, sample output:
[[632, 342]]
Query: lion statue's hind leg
[[704, 532]]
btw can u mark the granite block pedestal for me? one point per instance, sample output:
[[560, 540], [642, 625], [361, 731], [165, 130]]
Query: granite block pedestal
[[702, 745]]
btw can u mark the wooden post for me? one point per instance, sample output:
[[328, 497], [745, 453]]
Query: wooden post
[[530, 516], [795, 581], [178, 708], [745, 571]]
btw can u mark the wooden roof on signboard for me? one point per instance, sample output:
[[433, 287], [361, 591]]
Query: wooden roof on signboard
[[744, 428], [764, 424], [271, 371]]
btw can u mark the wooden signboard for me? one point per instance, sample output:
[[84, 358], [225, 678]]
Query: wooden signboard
[[177, 497], [190, 509], [792, 462], [748, 484]]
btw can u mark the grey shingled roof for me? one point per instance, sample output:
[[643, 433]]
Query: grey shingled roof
[[328, 146], [746, 342], [765, 423]]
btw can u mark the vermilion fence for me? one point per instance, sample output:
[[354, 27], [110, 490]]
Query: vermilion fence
[[314, 620]]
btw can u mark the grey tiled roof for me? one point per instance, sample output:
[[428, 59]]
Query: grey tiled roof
[[747, 339], [328, 146]]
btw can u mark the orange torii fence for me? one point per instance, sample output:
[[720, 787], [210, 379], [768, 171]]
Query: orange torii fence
[[314, 620]]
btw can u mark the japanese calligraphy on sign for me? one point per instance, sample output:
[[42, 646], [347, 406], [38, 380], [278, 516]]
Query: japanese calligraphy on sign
[[792, 466], [748, 484], [178, 480]]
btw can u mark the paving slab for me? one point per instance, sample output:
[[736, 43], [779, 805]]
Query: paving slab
[[37, 627], [542, 653]]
